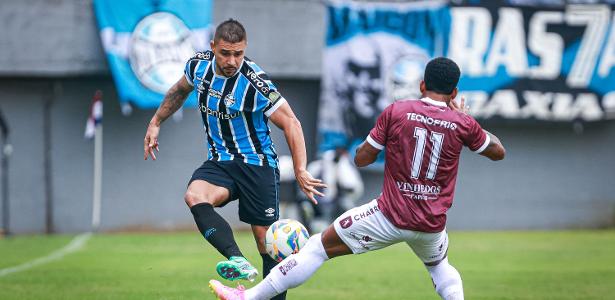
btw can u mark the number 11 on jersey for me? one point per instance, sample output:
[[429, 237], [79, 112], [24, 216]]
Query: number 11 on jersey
[[421, 138]]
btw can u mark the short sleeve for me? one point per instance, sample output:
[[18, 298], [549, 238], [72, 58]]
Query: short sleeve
[[273, 106], [268, 97], [189, 70], [378, 135], [475, 138]]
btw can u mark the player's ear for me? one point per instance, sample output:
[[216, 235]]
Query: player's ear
[[212, 45], [454, 93], [422, 86]]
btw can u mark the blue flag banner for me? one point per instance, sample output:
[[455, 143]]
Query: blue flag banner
[[147, 43], [375, 54]]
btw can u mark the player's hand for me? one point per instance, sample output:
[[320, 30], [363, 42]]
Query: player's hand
[[150, 143], [460, 107], [309, 185]]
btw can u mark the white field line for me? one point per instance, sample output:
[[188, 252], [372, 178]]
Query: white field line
[[75, 244]]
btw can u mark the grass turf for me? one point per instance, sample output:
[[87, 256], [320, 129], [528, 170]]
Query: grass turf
[[493, 265]]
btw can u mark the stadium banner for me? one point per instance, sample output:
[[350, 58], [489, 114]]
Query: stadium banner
[[527, 63], [147, 43], [535, 62], [375, 54]]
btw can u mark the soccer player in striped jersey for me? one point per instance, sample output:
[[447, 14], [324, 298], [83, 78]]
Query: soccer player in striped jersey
[[423, 139], [236, 102]]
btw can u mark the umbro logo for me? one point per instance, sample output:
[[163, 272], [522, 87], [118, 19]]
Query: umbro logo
[[269, 212]]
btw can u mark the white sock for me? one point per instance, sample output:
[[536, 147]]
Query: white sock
[[447, 281], [291, 272]]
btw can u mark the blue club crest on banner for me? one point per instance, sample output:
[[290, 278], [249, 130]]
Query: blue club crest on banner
[[148, 42]]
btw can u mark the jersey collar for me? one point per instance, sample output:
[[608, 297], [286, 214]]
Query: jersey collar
[[433, 102]]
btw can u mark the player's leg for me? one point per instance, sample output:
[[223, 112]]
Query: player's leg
[[432, 249], [258, 189], [259, 205], [358, 230], [202, 197], [268, 262], [292, 271], [340, 238], [210, 187]]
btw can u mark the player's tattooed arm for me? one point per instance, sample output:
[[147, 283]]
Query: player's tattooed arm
[[495, 150], [173, 100]]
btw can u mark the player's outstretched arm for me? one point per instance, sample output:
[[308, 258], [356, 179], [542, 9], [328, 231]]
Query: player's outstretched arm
[[286, 120], [366, 154], [495, 150], [173, 100]]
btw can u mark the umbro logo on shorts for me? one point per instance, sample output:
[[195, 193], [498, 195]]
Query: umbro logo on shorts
[[269, 212], [346, 222]]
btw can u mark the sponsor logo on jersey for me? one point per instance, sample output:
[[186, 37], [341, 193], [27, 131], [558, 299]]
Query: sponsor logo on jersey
[[203, 55], [431, 121], [346, 222], [214, 93], [260, 84], [289, 265], [218, 114], [419, 191]]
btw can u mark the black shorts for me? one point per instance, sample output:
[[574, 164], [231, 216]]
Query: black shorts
[[256, 187]]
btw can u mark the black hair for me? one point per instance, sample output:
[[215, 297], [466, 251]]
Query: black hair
[[441, 75], [230, 31]]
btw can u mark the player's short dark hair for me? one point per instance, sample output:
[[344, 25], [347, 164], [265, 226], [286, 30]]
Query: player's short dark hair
[[230, 31], [441, 75]]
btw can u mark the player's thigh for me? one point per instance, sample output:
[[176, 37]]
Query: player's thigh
[[364, 228], [333, 244], [431, 248], [210, 184], [258, 189]]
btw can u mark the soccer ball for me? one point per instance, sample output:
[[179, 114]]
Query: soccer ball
[[285, 237]]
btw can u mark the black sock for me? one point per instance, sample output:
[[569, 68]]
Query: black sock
[[215, 229], [268, 264]]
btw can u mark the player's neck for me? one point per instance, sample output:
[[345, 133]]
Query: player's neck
[[437, 97]]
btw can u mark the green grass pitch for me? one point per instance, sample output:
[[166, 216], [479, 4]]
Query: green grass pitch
[[493, 265]]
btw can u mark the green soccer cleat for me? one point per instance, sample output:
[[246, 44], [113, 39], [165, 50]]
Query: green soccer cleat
[[236, 267]]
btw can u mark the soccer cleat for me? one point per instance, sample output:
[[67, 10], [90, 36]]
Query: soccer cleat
[[236, 267], [226, 293]]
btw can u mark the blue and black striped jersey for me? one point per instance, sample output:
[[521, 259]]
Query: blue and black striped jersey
[[235, 110]]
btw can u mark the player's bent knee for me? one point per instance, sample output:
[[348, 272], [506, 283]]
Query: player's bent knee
[[193, 199]]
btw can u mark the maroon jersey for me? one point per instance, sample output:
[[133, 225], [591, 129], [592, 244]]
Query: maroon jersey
[[423, 141]]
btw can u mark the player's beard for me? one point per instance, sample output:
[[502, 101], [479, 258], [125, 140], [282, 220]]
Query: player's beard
[[228, 71]]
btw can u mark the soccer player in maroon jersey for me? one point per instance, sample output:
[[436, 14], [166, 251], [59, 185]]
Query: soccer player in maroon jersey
[[423, 141]]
